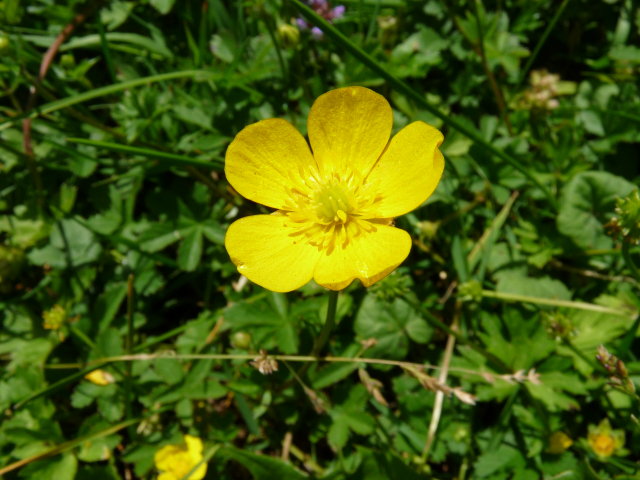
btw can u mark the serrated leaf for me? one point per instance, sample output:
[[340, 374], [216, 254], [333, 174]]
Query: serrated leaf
[[391, 325], [586, 204]]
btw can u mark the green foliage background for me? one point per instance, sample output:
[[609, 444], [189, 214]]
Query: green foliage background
[[113, 209]]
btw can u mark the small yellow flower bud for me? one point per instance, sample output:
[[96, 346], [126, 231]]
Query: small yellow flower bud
[[289, 35], [100, 377], [4, 43], [241, 340], [558, 443], [67, 60], [54, 318]]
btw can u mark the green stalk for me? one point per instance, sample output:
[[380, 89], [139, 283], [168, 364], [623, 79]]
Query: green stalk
[[402, 87], [329, 324], [513, 297], [626, 255], [108, 90], [169, 158], [106, 53], [128, 379]]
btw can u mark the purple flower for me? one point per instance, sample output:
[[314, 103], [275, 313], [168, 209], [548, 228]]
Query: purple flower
[[322, 8], [337, 12]]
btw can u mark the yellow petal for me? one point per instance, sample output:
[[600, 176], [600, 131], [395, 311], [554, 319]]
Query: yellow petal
[[266, 251], [194, 444], [408, 171], [167, 476], [164, 458], [348, 129], [266, 160], [370, 257], [199, 472]]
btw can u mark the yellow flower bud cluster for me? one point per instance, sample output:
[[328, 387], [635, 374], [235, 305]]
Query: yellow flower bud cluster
[[54, 318]]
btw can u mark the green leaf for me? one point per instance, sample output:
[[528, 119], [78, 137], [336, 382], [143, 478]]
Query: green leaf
[[108, 304], [163, 6], [513, 281], [590, 329], [62, 467], [587, 203], [262, 467], [71, 245], [268, 327], [190, 250], [493, 461], [392, 325], [169, 369], [382, 465]]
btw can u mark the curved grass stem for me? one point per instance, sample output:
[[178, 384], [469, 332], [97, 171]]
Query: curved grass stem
[[512, 297]]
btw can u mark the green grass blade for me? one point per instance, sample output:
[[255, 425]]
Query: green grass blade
[[171, 158], [109, 90], [402, 87], [541, 42]]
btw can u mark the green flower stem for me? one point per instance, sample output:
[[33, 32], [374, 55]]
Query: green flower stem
[[128, 380], [329, 323], [322, 339], [512, 297], [417, 97], [276, 46]]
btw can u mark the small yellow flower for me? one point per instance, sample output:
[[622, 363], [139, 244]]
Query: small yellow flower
[[558, 443], [175, 461], [335, 206], [100, 377], [603, 440]]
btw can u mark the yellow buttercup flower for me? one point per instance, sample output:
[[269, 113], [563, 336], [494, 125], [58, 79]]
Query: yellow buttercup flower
[[175, 461], [335, 206], [603, 440]]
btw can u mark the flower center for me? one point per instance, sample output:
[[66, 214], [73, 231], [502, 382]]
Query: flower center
[[333, 203]]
